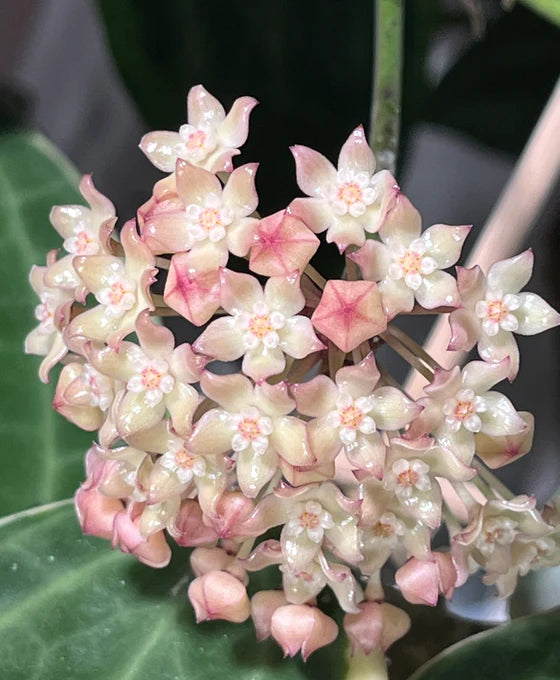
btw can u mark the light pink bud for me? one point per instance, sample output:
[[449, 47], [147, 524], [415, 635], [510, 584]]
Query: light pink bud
[[152, 551], [263, 606], [377, 624], [204, 560], [299, 626], [219, 595], [421, 581], [188, 528], [96, 512]]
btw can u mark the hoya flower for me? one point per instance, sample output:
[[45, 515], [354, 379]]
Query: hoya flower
[[121, 286], [407, 263], [494, 309], [156, 376], [262, 326], [377, 624], [86, 231], [349, 313], [314, 517], [209, 139], [348, 201], [349, 413], [219, 595], [410, 473], [460, 405], [195, 294], [421, 581], [83, 395], [53, 315], [301, 627], [208, 220], [282, 244], [253, 422]]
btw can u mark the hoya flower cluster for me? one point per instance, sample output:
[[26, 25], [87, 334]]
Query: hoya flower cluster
[[304, 438]]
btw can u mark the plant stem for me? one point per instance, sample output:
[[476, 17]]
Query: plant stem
[[549, 9], [386, 100]]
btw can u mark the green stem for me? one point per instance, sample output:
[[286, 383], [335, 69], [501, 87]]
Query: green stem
[[549, 9], [386, 103]]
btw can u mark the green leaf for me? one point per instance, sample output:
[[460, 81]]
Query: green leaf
[[526, 649], [71, 608], [41, 453]]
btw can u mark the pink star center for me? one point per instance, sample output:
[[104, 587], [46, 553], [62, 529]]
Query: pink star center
[[411, 262], [351, 416], [349, 193], [196, 140], [407, 479], [83, 242], [497, 310], [249, 428], [260, 325], [151, 378], [117, 293], [464, 409], [210, 219], [309, 520]]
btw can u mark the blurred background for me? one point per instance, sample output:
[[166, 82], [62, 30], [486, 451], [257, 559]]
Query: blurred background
[[94, 76]]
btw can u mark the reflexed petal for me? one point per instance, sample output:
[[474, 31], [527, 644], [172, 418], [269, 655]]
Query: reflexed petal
[[233, 131], [402, 224], [194, 184], [315, 173], [239, 292], [438, 289], [499, 451], [535, 315], [359, 380], [461, 443], [374, 259], [343, 584], [368, 455], [315, 212], [392, 410], [324, 442], [480, 376], [155, 340], [274, 400], [212, 434], [397, 297], [355, 154], [315, 397], [418, 581], [202, 107], [472, 285], [240, 194], [498, 347], [511, 275], [62, 273], [262, 362], [232, 392], [298, 339], [444, 243], [289, 438], [465, 329], [345, 231], [254, 471], [185, 365], [160, 148], [501, 417], [221, 340]]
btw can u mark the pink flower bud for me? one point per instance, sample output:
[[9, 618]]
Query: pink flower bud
[[152, 551], [377, 624], [421, 581], [188, 528], [96, 512], [263, 606], [233, 510], [296, 627], [219, 595], [204, 560]]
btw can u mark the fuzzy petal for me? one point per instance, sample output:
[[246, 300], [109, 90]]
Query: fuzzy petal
[[315, 173]]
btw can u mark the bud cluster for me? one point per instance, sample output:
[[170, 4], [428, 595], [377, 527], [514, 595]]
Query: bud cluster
[[307, 440]]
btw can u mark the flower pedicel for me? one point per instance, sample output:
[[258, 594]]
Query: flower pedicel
[[215, 461]]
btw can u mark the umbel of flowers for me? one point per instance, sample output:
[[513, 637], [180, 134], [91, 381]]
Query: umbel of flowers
[[304, 437]]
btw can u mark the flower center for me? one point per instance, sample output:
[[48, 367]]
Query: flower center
[[495, 312], [309, 520], [351, 416], [349, 193], [196, 140], [84, 241], [151, 378], [260, 326], [463, 409], [407, 478], [184, 459], [117, 293], [249, 428], [383, 530], [210, 218]]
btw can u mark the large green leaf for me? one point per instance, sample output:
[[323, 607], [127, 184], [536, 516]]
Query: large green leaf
[[73, 609], [41, 453], [526, 649]]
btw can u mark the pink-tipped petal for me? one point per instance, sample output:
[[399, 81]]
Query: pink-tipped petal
[[374, 259], [240, 194], [315, 173], [219, 595], [511, 275], [465, 329], [234, 130], [301, 627], [202, 107], [418, 581], [315, 397], [402, 224], [161, 148], [316, 213], [355, 154], [195, 184], [239, 292], [263, 606]]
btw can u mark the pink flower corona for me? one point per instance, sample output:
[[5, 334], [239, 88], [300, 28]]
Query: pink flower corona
[[300, 429]]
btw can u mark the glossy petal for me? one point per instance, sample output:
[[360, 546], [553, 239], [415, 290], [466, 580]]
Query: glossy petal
[[499, 451], [181, 404], [289, 438], [535, 315], [233, 131], [297, 627], [480, 376], [315, 397], [465, 329], [221, 340], [202, 107], [401, 225], [298, 338], [360, 379], [438, 289], [239, 292], [194, 184], [211, 434], [316, 213], [374, 259], [349, 313], [355, 154], [241, 235], [315, 173], [511, 275], [444, 243], [283, 294], [254, 471], [161, 148], [392, 410], [231, 392], [501, 418], [262, 362], [397, 297], [240, 194], [498, 347]]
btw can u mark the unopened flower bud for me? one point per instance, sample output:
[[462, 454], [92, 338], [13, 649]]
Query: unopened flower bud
[[298, 627], [263, 606], [204, 560], [188, 528], [377, 625], [219, 595], [96, 512], [421, 581], [152, 551]]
